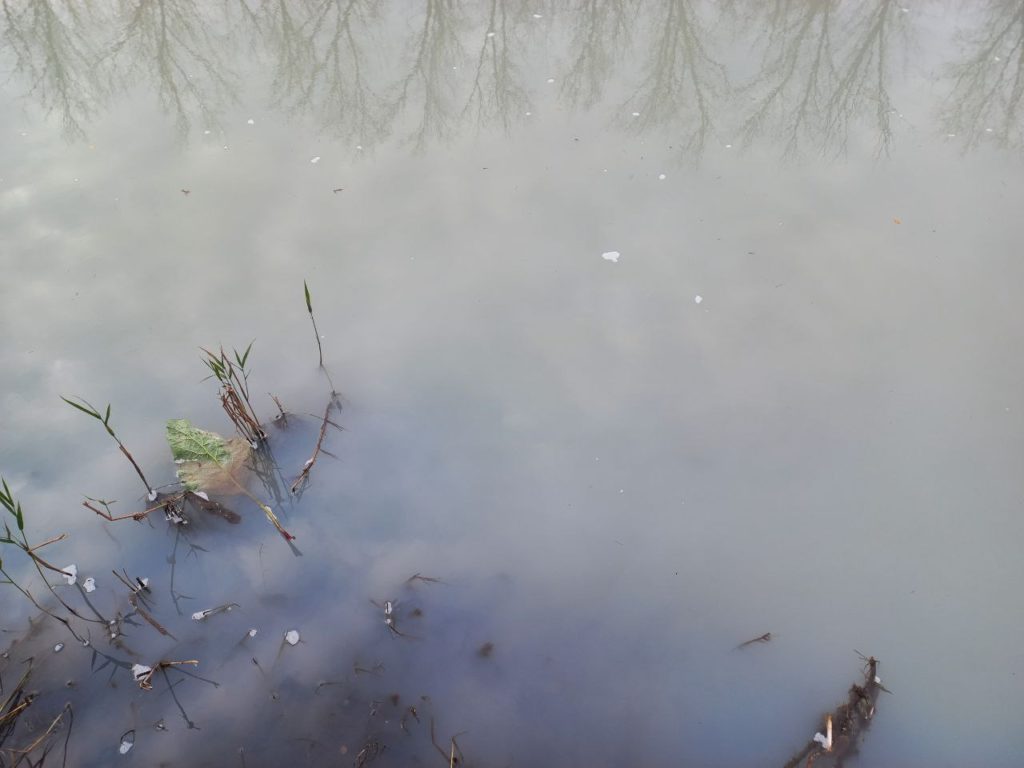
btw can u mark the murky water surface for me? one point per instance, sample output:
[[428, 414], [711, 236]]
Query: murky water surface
[[658, 326]]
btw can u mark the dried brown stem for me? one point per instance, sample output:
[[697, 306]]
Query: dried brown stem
[[304, 474]]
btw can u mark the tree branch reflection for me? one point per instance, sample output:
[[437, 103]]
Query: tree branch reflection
[[987, 86], [171, 43], [823, 71], [495, 95], [53, 44], [682, 82]]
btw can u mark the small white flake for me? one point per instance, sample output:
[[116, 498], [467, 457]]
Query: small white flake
[[151, 496], [202, 495], [636, 114], [89, 584], [252, 632], [250, 121], [612, 256], [698, 299], [490, 34], [58, 647], [538, 16], [529, 113], [70, 573], [359, 147], [550, 80], [988, 130], [315, 160], [661, 177], [728, 146], [206, 133], [291, 637]]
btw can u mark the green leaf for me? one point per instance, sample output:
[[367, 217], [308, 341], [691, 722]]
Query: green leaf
[[107, 417], [247, 351], [20, 518], [309, 303], [190, 443], [90, 411]]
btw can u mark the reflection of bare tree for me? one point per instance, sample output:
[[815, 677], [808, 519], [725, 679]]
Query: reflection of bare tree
[[681, 80], [600, 35], [988, 85], [322, 64], [821, 71], [495, 95], [437, 53], [172, 42], [52, 44]]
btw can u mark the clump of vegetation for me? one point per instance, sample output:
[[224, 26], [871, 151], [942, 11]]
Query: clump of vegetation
[[234, 392]]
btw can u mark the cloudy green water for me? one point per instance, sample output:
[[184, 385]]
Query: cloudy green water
[[792, 403]]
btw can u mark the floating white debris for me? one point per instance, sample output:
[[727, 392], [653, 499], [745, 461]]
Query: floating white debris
[[127, 742], [538, 16], [529, 113], [252, 632], [389, 608], [825, 739], [89, 584], [490, 34], [200, 615], [151, 496], [988, 130], [206, 133], [291, 637], [698, 299], [636, 114], [728, 146], [359, 147], [202, 495], [315, 160], [70, 573], [58, 647], [612, 256], [141, 672], [250, 121], [551, 80], [661, 177]]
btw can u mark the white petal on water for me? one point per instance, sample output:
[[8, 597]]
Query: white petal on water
[[89, 584], [661, 177], [152, 494], [200, 615], [58, 647], [315, 159], [698, 299], [551, 80], [389, 607], [529, 113], [70, 573], [636, 114], [252, 632], [250, 121], [206, 133], [538, 16], [127, 742], [291, 637], [202, 495], [612, 256], [490, 34], [140, 671], [728, 146]]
